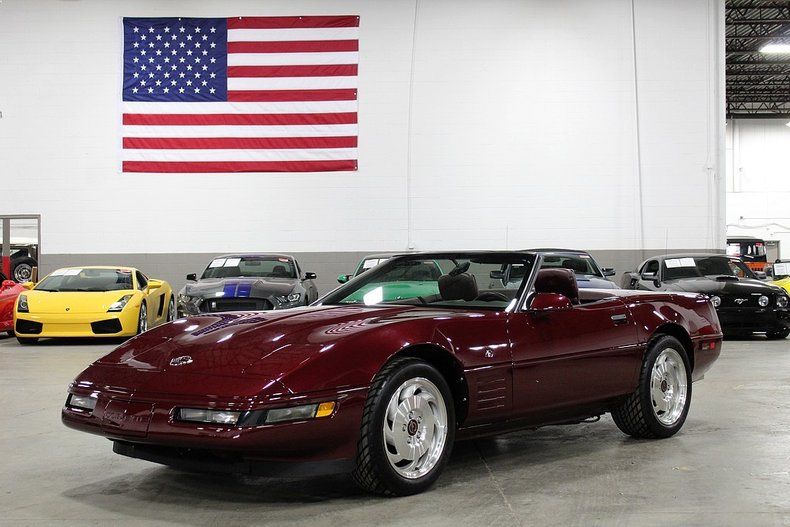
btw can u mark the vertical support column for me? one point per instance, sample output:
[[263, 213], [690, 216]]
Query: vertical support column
[[6, 263]]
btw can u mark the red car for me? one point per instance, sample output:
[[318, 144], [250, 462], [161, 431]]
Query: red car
[[9, 291], [383, 388]]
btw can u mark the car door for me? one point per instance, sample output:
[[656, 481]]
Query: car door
[[568, 357], [152, 302]]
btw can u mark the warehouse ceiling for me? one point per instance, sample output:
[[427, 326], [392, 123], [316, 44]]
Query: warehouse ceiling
[[758, 83]]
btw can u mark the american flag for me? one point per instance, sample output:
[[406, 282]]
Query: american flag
[[243, 94]]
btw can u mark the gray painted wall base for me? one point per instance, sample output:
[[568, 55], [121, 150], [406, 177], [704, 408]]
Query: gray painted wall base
[[327, 265]]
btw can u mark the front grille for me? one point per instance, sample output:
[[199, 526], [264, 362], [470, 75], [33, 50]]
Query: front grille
[[106, 327], [28, 327], [218, 305]]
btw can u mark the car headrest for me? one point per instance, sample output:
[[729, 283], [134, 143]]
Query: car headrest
[[461, 286], [562, 281], [279, 270]]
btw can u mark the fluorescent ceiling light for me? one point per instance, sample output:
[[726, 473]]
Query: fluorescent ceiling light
[[775, 48]]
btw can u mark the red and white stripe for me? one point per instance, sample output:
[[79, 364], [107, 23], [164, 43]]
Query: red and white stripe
[[292, 105]]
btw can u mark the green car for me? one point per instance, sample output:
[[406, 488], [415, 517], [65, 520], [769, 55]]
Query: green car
[[413, 281]]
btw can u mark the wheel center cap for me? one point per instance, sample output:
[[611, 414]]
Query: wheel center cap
[[411, 428], [664, 385]]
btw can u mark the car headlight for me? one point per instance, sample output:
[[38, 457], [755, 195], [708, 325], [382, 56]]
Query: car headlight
[[199, 415], [83, 402], [21, 305], [781, 301], [120, 303], [716, 301], [299, 413], [763, 300], [289, 299]]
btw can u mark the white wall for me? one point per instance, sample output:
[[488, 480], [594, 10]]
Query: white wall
[[501, 124], [758, 180]]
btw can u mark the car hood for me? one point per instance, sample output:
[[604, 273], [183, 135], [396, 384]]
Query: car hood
[[239, 287], [48, 302], [719, 287], [266, 345], [586, 281]]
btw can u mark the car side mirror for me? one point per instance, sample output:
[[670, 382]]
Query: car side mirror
[[28, 285], [543, 302], [153, 284], [310, 276], [7, 284], [761, 275], [608, 271], [497, 275], [342, 278], [192, 277]]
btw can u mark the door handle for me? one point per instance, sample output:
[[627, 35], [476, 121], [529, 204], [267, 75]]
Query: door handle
[[619, 319]]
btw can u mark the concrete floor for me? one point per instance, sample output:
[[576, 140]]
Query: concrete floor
[[730, 465]]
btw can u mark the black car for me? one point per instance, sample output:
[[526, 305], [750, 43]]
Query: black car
[[248, 282], [745, 304]]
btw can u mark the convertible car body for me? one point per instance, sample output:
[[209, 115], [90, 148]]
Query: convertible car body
[[248, 282], [745, 304], [383, 388], [9, 291], [92, 302]]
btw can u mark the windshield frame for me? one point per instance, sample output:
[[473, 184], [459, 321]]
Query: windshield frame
[[748, 273], [333, 297], [263, 257], [39, 284]]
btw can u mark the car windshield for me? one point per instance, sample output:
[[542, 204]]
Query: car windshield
[[781, 270], [695, 267], [86, 280], [581, 264], [251, 267], [458, 280]]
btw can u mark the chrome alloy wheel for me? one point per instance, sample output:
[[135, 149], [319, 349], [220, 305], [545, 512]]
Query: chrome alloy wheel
[[415, 428], [171, 311], [668, 387], [23, 272], [142, 324]]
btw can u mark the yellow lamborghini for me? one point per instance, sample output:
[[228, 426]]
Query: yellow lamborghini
[[92, 302]]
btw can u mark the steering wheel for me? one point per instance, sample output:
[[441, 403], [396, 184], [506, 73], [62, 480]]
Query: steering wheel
[[491, 296]]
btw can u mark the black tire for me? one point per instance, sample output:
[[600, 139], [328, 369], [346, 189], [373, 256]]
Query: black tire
[[23, 269], [373, 470], [142, 318], [172, 312], [778, 334], [636, 416], [25, 341], [10, 333]]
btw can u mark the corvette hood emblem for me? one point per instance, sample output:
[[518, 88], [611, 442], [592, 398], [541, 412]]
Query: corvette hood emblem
[[181, 361]]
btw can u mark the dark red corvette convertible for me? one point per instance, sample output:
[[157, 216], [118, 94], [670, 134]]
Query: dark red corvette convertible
[[382, 375]]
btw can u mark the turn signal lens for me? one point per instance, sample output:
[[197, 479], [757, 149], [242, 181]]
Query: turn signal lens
[[22, 306], [325, 409], [83, 402], [716, 301]]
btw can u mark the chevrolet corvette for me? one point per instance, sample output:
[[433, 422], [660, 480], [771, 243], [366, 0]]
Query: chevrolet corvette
[[381, 385], [92, 302]]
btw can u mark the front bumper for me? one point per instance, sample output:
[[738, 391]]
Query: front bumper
[[76, 324], [148, 425], [750, 320]]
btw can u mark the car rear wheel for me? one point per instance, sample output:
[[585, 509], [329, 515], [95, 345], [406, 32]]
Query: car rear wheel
[[142, 320], [171, 310], [26, 340], [23, 270], [408, 429], [10, 333], [779, 334], [660, 404]]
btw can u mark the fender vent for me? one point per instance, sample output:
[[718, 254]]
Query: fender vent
[[491, 393]]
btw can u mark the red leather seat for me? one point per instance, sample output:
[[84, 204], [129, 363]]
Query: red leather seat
[[562, 281]]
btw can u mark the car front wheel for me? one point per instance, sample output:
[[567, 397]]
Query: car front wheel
[[778, 334], [142, 320], [408, 429], [171, 310], [660, 404]]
